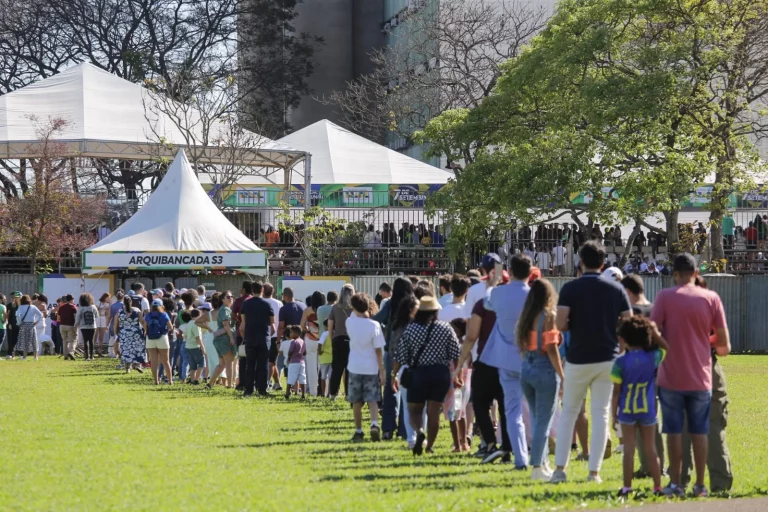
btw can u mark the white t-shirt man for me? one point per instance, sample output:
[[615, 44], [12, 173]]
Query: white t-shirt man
[[476, 292], [452, 311], [558, 254], [276, 305], [365, 336], [543, 260], [445, 299]]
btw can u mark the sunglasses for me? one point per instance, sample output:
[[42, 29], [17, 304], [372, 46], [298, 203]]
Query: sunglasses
[[228, 296]]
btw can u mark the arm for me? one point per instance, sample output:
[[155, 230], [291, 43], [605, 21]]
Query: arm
[[304, 319], [117, 324], [722, 342], [242, 327], [226, 326], [380, 361], [553, 350], [201, 323], [271, 326], [280, 331], [615, 403], [561, 320], [383, 315], [330, 330], [473, 333]]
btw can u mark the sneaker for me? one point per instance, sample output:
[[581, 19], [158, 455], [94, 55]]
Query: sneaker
[[493, 455], [673, 491], [608, 449], [375, 433], [387, 436], [418, 447], [624, 493], [558, 477], [574, 447], [619, 449], [358, 437], [594, 478], [541, 474], [700, 491], [23, 358], [139, 369], [481, 452]]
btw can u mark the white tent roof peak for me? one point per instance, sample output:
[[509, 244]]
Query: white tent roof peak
[[178, 216], [340, 156], [107, 118]]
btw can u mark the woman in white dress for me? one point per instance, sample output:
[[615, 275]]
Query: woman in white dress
[[208, 325], [101, 322]]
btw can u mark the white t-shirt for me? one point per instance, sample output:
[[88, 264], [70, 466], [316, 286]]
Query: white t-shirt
[[558, 253], [323, 337], [276, 305], [445, 299], [543, 259], [365, 336], [476, 292], [452, 311], [285, 348]]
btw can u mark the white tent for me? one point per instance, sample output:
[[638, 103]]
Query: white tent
[[339, 156], [178, 228], [110, 117]]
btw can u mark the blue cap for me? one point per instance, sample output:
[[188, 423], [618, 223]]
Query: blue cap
[[157, 302], [490, 260]]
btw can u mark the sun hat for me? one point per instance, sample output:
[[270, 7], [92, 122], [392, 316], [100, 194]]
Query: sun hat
[[429, 303]]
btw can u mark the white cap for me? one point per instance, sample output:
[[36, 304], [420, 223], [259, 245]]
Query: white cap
[[613, 273]]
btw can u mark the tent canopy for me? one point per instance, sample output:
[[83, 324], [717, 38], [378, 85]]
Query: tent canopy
[[110, 117], [178, 228], [339, 156]]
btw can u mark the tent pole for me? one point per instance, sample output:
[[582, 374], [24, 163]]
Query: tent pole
[[307, 202]]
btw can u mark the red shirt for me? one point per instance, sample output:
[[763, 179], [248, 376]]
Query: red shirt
[[237, 307], [751, 234], [486, 327], [67, 314], [686, 315]]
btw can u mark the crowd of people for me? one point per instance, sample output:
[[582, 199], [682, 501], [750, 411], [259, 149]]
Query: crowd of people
[[506, 361]]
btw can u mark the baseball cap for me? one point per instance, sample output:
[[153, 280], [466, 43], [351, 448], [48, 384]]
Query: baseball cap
[[684, 263], [156, 291], [613, 273], [490, 260], [16, 294], [205, 306], [157, 302]]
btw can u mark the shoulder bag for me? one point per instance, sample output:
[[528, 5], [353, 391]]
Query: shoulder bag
[[406, 379]]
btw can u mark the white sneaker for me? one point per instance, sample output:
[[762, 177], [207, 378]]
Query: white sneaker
[[541, 474], [619, 449], [594, 478], [23, 358], [558, 477]]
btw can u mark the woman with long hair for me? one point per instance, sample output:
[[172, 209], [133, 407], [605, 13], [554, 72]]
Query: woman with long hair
[[86, 320], [542, 369], [101, 324], [311, 329], [406, 311], [27, 316], [224, 340], [429, 347], [157, 324], [130, 336], [337, 333]]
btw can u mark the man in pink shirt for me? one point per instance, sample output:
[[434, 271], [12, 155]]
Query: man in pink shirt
[[686, 315]]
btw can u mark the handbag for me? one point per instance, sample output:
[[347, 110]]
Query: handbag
[[241, 350], [406, 378]]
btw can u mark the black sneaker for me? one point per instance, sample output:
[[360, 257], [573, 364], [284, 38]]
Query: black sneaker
[[482, 452], [493, 456], [375, 434], [624, 493], [358, 437], [418, 447], [387, 435], [639, 475]]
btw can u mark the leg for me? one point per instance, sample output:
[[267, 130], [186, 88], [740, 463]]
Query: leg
[[673, 412], [719, 458], [648, 434], [543, 414], [153, 358], [312, 367], [461, 427], [373, 407], [455, 435], [229, 366], [249, 377], [357, 411], [582, 429], [415, 411], [600, 407], [575, 390], [184, 364], [482, 399], [628, 435], [390, 402], [163, 356], [513, 408], [262, 369], [433, 422]]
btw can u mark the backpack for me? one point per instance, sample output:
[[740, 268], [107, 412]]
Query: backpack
[[136, 301], [155, 326]]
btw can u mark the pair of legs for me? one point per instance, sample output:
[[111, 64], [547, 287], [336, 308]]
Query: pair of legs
[[648, 435], [415, 415], [540, 386], [485, 390], [391, 402], [459, 434], [100, 333], [157, 357], [357, 412], [256, 374], [513, 409], [676, 407], [339, 365], [88, 335], [580, 378], [226, 362]]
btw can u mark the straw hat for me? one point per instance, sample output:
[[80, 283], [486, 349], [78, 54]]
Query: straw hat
[[429, 303]]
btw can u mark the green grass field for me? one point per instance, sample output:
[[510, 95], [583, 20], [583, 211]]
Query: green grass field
[[83, 436]]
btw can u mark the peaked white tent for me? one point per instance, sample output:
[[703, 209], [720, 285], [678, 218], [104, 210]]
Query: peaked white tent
[[340, 156], [178, 228], [110, 117]]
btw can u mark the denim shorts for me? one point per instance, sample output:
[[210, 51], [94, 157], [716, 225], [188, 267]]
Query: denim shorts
[[646, 422], [678, 405], [196, 358]]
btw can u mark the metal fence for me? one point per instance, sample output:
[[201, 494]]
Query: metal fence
[[25, 283]]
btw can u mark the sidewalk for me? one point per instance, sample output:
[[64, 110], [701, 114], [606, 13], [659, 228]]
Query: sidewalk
[[715, 505]]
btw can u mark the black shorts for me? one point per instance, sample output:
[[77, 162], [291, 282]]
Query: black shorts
[[430, 384], [273, 351]]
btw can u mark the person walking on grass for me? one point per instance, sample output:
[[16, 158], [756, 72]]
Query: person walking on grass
[[257, 321], [542, 370], [325, 348], [13, 325], [157, 324], [130, 336], [27, 318], [224, 342], [337, 332], [246, 293], [274, 345], [86, 321], [3, 318], [590, 307], [297, 368], [686, 315], [365, 365], [193, 345], [634, 395], [101, 323], [428, 347], [311, 329]]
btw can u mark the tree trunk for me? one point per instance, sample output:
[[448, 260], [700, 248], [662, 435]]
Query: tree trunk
[[673, 233], [630, 243]]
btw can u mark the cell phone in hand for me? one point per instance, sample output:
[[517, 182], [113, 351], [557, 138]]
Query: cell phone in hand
[[498, 271]]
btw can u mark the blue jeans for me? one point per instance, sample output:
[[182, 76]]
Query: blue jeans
[[184, 364], [693, 405], [540, 384], [391, 403], [513, 409]]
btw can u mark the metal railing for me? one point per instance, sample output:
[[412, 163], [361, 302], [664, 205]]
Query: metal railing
[[357, 261]]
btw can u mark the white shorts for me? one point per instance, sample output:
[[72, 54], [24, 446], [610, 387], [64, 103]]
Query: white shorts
[[160, 343], [325, 371], [101, 322], [297, 372]]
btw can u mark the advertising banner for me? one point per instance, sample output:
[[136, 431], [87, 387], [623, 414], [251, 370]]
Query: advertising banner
[[173, 260]]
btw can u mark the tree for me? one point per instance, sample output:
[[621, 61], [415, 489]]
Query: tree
[[314, 232], [443, 58], [632, 103], [50, 220]]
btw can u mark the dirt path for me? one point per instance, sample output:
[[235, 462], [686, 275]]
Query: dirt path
[[738, 505]]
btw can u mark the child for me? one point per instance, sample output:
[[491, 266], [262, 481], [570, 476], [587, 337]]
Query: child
[[634, 394], [455, 404], [325, 354], [297, 369], [193, 344]]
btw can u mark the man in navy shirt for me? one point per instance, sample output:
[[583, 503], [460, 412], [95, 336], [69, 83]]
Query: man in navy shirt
[[256, 320], [290, 313], [589, 308]]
